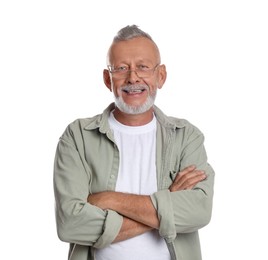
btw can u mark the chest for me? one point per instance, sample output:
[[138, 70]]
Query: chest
[[137, 167], [104, 157]]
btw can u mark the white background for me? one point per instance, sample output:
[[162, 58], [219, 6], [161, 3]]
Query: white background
[[52, 54]]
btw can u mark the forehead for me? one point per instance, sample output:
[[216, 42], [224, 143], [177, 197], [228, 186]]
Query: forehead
[[137, 49]]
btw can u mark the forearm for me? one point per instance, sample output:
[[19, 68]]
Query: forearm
[[136, 207], [140, 208], [131, 228]]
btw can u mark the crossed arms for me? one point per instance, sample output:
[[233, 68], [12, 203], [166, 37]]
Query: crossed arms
[[101, 218], [138, 211]]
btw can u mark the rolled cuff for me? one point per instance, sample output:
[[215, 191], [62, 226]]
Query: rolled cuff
[[111, 228], [162, 203]]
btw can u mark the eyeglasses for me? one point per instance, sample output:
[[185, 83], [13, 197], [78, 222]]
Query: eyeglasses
[[122, 72]]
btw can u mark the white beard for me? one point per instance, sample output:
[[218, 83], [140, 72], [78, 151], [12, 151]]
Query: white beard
[[135, 110]]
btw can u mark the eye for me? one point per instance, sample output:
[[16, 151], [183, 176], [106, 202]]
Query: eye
[[142, 67], [121, 68]]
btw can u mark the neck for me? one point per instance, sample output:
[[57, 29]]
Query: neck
[[133, 120]]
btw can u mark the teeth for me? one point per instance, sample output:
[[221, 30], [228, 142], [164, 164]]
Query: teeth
[[136, 91], [133, 90]]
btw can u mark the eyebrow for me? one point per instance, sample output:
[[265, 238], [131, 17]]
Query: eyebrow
[[138, 61]]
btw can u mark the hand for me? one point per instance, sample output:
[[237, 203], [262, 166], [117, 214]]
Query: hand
[[187, 179]]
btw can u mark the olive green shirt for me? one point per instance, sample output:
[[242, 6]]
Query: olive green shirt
[[87, 161]]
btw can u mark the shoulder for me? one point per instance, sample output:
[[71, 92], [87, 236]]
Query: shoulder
[[91, 123], [178, 124], [78, 127], [82, 123]]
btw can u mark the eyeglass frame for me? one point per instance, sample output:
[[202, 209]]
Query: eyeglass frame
[[127, 72]]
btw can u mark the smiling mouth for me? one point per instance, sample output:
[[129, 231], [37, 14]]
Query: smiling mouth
[[133, 89]]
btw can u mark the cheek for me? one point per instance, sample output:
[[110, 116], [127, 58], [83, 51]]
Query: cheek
[[116, 89], [153, 86]]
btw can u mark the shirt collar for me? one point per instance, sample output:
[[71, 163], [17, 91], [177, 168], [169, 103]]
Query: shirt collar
[[101, 121]]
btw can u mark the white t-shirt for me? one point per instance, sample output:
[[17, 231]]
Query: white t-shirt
[[137, 175]]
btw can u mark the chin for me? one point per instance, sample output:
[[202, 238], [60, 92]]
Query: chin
[[134, 110]]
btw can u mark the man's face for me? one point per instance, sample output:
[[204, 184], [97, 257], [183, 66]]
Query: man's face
[[133, 92]]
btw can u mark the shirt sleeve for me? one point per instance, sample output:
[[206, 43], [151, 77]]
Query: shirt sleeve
[[78, 221], [188, 210]]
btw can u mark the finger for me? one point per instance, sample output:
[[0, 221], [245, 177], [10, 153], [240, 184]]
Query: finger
[[186, 170], [191, 182], [188, 181], [191, 175], [188, 175]]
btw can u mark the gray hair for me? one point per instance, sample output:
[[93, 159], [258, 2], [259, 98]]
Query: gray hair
[[130, 32]]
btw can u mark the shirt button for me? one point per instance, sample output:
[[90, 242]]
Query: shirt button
[[112, 176]]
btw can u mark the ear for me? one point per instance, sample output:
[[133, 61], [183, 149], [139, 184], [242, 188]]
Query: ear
[[162, 75], [107, 79]]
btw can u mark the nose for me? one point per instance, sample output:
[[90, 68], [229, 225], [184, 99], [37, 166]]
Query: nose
[[133, 77]]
